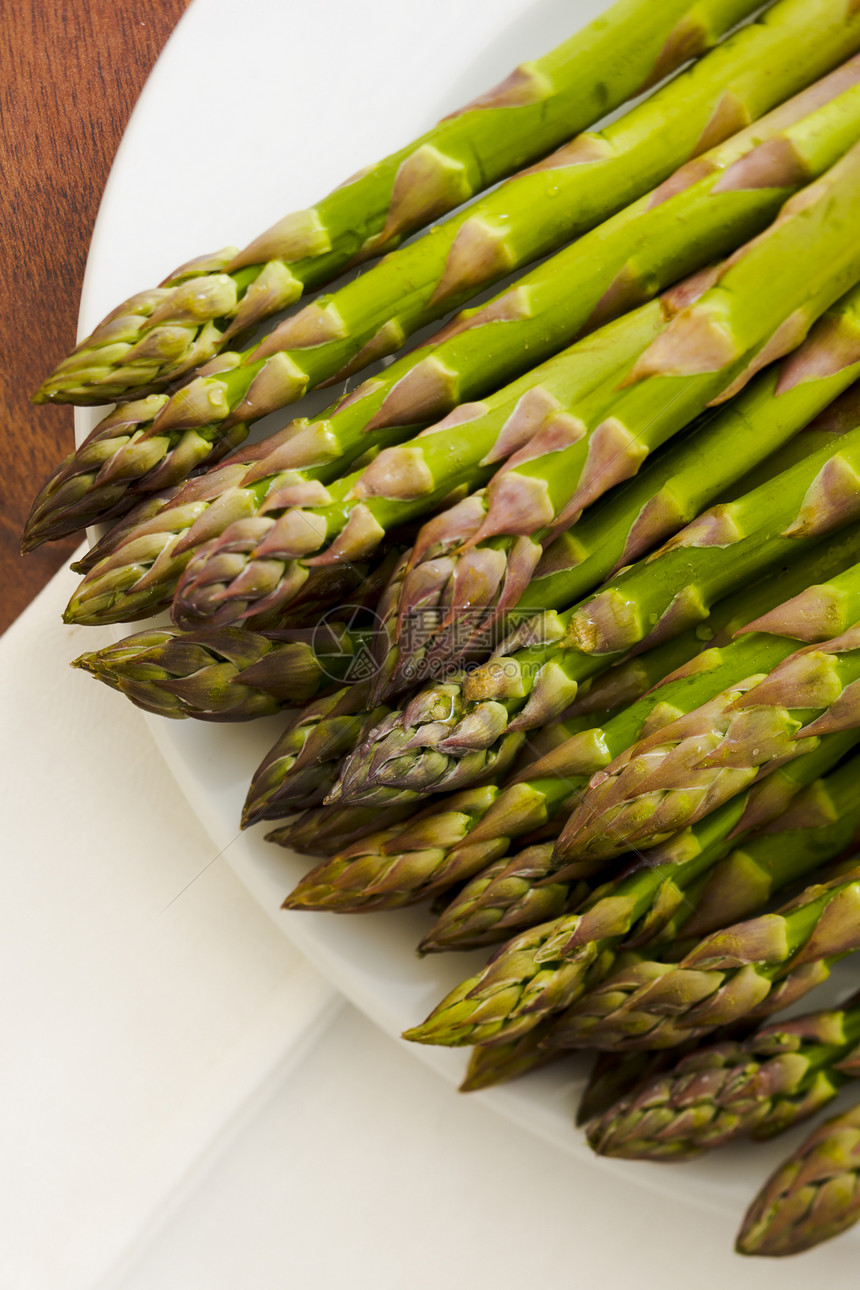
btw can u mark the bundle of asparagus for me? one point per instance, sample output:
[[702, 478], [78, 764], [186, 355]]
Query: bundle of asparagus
[[248, 552], [453, 845], [582, 569]]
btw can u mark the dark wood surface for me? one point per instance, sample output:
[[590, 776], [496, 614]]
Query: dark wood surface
[[71, 75]]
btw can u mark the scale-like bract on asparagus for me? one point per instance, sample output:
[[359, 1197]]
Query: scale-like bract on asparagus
[[225, 674], [536, 673], [812, 1197], [159, 335], [153, 443], [757, 1087]]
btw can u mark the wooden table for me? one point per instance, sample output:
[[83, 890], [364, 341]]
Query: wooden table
[[72, 74]]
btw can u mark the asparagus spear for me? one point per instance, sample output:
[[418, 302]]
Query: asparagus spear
[[141, 571], [738, 971], [158, 335], [549, 967], [757, 1088], [300, 768], [324, 829], [812, 1197], [252, 566], [147, 509], [536, 673], [614, 1075], [513, 893], [150, 444], [491, 1064], [435, 609], [686, 770], [225, 674]]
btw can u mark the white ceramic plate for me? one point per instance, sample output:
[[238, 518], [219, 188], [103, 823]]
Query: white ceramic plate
[[254, 110]]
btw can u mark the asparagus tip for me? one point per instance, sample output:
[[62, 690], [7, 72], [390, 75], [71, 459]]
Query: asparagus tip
[[416, 1035], [310, 897], [250, 815], [30, 539]]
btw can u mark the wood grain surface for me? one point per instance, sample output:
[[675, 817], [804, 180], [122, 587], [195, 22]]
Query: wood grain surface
[[71, 74]]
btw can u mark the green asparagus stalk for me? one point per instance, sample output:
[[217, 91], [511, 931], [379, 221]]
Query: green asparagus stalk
[[577, 442], [491, 1064], [225, 674], [735, 972], [536, 673], [614, 1075], [159, 335], [434, 609], [300, 768], [546, 969], [680, 774], [457, 839], [812, 1197], [143, 567], [153, 443], [757, 1088], [326, 829]]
